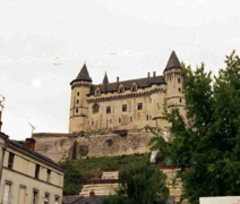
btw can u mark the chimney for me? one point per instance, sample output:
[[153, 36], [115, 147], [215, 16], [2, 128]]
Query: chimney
[[154, 74], [148, 74], [30, 144], [117, 79], [91, 194]]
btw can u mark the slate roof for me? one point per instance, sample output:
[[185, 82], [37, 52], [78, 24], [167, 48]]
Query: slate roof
[[95, 200], [105, 79], [83, 200], [173, 62], [41, 157], [141, 83], [83, 75]]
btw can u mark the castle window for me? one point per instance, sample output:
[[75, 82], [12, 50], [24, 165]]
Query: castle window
[[77, 101], [134, 87], [124, 108], [76, 110], [77, 93], [98, 91], [95, 108], [121, 89], [108, 109], [120, 120], [179, 80], [131, 119], [180, 100], [179, 90], [147, 117], [139, 106]]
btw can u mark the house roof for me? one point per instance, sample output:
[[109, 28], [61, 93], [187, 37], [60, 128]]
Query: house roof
[[141, 83], [83, 200], [173, 62], [39, 156], [83, 75]]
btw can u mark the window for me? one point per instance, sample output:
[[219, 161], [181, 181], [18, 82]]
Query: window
[[37, 170], [120, 120], [95, 108], [121, 89], [22, 194], [147, 117], [124, 108], [108, 109], [179, 90], [57, 200], [131, 119], [77, 93], [48, 175], [35, 196], [179, 80], [134, 87], [76, 110], [139, 106], [46, 199], [98, 91], [180, 100], [10, 160], [77, 101], [6, 197]]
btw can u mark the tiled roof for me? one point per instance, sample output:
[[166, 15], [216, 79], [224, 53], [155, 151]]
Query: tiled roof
[[83, 75], [141, 83], [173, 62], [105, 79], [46, 159], [83, 200]]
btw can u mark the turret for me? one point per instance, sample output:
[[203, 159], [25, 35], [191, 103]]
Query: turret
[[78, 108], [172, 75]]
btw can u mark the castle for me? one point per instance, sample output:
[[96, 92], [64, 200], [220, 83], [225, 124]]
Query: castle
[[124, 105], [109, 119]]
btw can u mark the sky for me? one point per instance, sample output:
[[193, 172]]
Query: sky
[[43, 45]]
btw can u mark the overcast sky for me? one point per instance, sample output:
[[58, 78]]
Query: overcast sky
[[43, 45]]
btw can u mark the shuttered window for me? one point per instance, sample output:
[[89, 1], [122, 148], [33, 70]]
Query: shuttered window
[[6, 194]]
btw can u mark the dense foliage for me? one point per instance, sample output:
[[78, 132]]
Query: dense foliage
[[91, 168], [140, 184], [207, 141]]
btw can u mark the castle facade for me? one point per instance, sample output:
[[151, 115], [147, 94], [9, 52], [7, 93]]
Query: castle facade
[[125, 105]]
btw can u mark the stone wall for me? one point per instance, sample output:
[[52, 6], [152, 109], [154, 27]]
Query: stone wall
[[59, 147]]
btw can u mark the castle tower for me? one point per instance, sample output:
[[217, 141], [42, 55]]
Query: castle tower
[[78, 121], [172, 75]]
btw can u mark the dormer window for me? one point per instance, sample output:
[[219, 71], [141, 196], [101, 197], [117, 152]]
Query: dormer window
[[121, 89], [97, 91], [134, 87], [95, 108]]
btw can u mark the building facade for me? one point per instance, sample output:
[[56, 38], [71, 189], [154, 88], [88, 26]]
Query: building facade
[[28, 177], [125, 105]]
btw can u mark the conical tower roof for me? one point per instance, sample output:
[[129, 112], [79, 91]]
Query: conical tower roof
[[105, 79], [83, 75], [173, 62]]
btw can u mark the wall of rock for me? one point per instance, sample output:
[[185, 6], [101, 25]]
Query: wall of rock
[[59, 147]]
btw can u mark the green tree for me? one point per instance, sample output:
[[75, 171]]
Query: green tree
[[157, 142], [140, 184], [207, 142], [73, 179]]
